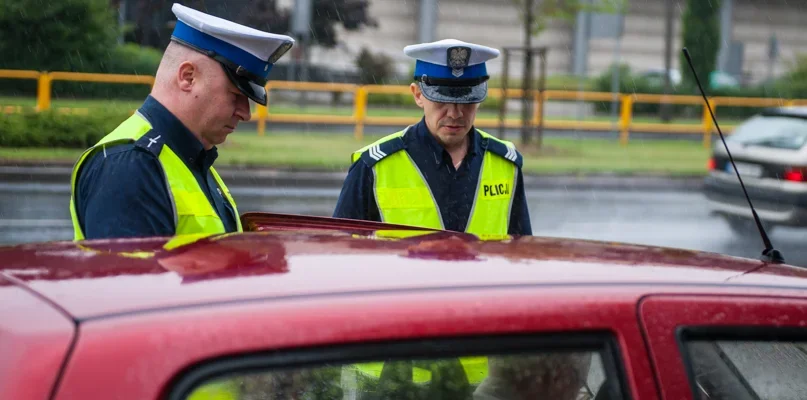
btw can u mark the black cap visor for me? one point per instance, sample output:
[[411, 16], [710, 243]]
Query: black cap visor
[[455, 94], [248, 87]]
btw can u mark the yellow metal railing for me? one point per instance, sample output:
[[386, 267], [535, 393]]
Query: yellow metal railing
[[360, 118], [264, 114], [45, 80]]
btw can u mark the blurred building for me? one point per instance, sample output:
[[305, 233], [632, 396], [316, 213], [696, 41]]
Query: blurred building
[[497, 23]]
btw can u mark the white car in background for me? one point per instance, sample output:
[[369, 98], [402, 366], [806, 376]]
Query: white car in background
[[771, 157]]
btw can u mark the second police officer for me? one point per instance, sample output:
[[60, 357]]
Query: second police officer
[[442, 172]]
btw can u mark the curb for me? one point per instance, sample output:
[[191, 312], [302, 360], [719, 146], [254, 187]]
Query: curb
[[246, 177]]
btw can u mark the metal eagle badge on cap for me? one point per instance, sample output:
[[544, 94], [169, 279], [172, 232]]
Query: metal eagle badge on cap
[[458, 57]]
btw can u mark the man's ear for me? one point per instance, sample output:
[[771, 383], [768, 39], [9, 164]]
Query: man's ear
[[417, 94], [187, 74]]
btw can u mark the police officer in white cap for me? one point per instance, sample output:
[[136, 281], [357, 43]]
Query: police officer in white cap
[[442, 172], [154, 174]]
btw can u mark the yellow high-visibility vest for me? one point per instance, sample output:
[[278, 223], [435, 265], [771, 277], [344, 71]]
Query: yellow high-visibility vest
[[403, 196], [193, 212], [475, 368]]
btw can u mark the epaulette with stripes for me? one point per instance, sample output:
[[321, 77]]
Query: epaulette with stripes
[[509, 152], [379, 151]]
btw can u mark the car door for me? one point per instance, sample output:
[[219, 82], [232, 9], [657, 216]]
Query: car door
[[727, 347]]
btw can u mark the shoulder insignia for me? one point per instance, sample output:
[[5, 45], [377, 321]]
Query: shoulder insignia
[[152, 142], [506, 150], [379, 151]]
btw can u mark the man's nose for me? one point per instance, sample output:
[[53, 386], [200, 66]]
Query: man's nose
[[454, 111], [242, 108]]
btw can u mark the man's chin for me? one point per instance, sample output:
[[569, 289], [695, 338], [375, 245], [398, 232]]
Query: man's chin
[[219, 139], [450, 140], [227, 131]]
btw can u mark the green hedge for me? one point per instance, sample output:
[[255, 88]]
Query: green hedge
[[630, 83], [53, 129]]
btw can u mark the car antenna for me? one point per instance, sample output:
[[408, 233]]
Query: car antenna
[[769, 254]]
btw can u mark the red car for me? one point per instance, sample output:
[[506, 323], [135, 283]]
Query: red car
[[318, 308]]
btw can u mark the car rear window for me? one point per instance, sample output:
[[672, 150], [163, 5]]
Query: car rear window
[[771, 131], [748, 369], [562, 372]]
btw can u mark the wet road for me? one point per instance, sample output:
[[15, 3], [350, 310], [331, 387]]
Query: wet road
[[36, 212]]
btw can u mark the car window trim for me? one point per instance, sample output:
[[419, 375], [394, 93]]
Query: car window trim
[[745, 333], [603, 343]]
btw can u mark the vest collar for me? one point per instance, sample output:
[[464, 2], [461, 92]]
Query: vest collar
[[177, 136]]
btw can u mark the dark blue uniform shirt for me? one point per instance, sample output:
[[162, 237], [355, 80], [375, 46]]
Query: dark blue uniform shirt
[[453, 189], [122, 191]]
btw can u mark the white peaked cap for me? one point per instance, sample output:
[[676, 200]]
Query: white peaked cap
[[435, 52], [258, 43]]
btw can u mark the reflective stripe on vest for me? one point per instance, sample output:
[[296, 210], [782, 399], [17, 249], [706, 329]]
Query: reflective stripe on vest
[[476, 369], [403, 196], [357, 154], [193, 212]]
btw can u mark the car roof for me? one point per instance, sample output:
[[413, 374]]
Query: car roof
[[102, 278], [796, 112]]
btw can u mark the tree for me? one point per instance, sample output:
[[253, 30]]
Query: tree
[[374, 69], [535, 18], [65, 35], [352, 14], [152, 20], [794, 83], [266, 16], [327, 14], [701, 36]]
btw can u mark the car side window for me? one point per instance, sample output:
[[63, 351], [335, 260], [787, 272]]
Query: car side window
[[561, 372], [747, 369]]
